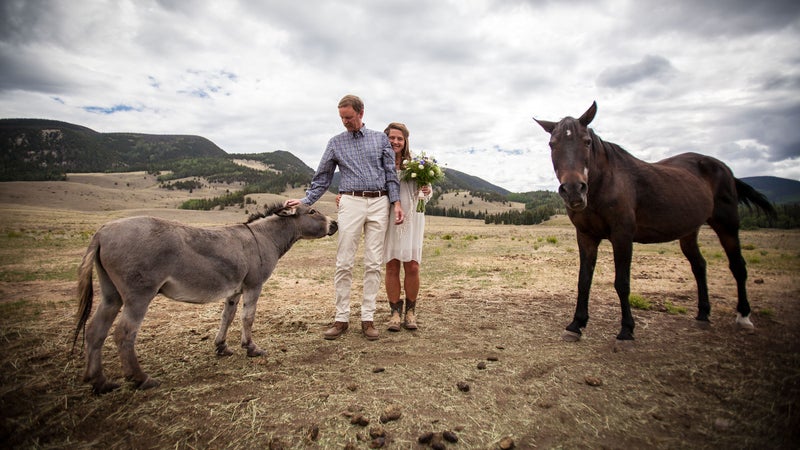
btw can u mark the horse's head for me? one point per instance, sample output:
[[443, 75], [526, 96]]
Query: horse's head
[[570, 145]]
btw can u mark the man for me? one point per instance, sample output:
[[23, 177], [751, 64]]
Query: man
[[368, 186]]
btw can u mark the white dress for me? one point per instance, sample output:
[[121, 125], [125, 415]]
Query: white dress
[[404, 242]]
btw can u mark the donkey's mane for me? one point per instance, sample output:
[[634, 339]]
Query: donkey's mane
[[268, 211]]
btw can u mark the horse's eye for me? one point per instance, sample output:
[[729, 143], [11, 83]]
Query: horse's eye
[[312, 211]]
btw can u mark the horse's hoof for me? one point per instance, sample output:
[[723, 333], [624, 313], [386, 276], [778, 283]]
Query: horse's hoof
[[745, 323], [570, 336], [148, 384], [623, 345], [702, 324]]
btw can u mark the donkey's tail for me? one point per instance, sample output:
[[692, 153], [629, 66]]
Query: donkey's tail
[[85, 291], [749, 196]]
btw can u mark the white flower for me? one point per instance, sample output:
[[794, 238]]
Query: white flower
[[430, 172], [413, 175]]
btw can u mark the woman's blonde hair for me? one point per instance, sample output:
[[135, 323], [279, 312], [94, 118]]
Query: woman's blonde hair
[[405, 154]]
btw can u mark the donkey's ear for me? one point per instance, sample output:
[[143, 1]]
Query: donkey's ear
[[588, 116], [547, 125], [287, 211]]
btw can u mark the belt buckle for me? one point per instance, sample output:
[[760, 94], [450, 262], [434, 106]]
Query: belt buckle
[[372, 194]]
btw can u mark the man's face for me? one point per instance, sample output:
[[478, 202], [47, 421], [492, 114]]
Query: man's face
[[350, 118]]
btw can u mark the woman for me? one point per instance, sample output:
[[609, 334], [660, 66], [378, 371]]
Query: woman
[[403, 243]]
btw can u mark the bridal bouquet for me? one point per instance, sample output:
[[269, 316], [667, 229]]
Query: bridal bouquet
[[423, 170]]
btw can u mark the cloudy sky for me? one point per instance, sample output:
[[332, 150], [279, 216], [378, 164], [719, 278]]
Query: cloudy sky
[[466, 76]]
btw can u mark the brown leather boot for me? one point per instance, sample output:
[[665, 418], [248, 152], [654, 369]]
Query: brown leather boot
[[411, 317], [336, 330], [396, 320], [369, 330]]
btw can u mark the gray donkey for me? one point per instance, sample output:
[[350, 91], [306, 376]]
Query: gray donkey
[[140, 257]]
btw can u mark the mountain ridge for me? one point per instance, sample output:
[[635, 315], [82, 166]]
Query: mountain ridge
[[46, 149]]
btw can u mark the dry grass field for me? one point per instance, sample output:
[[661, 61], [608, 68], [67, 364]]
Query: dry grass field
[[494, 302]]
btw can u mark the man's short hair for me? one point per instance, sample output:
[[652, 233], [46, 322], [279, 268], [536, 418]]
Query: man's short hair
[[353, 101]]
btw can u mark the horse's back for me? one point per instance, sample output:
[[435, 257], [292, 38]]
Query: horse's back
[[715, 173], [667, 200]]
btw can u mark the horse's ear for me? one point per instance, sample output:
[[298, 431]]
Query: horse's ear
[[588, 116], [547, 125]]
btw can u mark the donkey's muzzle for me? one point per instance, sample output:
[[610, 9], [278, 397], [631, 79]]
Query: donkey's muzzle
[[332, 227]]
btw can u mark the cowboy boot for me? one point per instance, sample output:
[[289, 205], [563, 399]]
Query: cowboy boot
[[410, 322], [397, 312]]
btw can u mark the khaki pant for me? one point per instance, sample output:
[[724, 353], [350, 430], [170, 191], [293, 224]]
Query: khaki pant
[[358, 215]]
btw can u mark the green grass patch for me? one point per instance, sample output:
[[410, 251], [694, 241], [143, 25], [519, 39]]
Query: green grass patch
[[674, 309], [639, 302], [765, 312]]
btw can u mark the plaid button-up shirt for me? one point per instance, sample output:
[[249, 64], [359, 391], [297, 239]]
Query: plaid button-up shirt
[[366, 163]]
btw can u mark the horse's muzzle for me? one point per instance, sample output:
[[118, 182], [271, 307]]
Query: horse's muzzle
[[576, 206], [574, 195]]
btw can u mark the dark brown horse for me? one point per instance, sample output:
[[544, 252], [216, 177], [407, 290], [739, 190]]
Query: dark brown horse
[[610, 194]]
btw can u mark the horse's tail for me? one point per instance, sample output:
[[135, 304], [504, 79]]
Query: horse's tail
[[85, 290], [749, 196]]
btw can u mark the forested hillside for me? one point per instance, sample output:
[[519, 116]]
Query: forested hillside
[[36, 150]]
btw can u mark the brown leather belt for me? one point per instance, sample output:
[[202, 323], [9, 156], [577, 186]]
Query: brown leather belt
[[369, 194]]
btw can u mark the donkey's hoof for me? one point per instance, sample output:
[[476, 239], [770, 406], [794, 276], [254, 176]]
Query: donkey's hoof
[[224, 351], [256, 352], [623, 345], [104, 388], [570, 336], [148, 384]]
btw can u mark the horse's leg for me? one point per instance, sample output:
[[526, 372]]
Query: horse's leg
[[125, 337], [623, 252], [96, 333], [729, 238], [228, 313], [250, 297], [587, 247], [691, 250]]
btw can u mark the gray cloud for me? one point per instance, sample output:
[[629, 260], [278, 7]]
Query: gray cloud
[[651, 67], [466, 77], [22, 70], [714, 18]]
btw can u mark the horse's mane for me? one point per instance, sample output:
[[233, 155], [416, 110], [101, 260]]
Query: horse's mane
[[613, 152], [268, 211]]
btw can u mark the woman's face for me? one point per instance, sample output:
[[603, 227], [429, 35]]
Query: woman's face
[[397, 140]]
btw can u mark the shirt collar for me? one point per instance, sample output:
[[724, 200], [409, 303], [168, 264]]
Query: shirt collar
[[360, 132]]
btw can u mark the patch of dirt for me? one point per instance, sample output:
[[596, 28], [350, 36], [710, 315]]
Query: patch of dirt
[[488, 363]]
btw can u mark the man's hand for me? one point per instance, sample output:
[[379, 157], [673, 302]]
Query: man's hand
[[399, 216], [291, 202]]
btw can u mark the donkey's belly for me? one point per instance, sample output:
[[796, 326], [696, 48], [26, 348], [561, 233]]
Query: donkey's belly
[[194, 293]]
